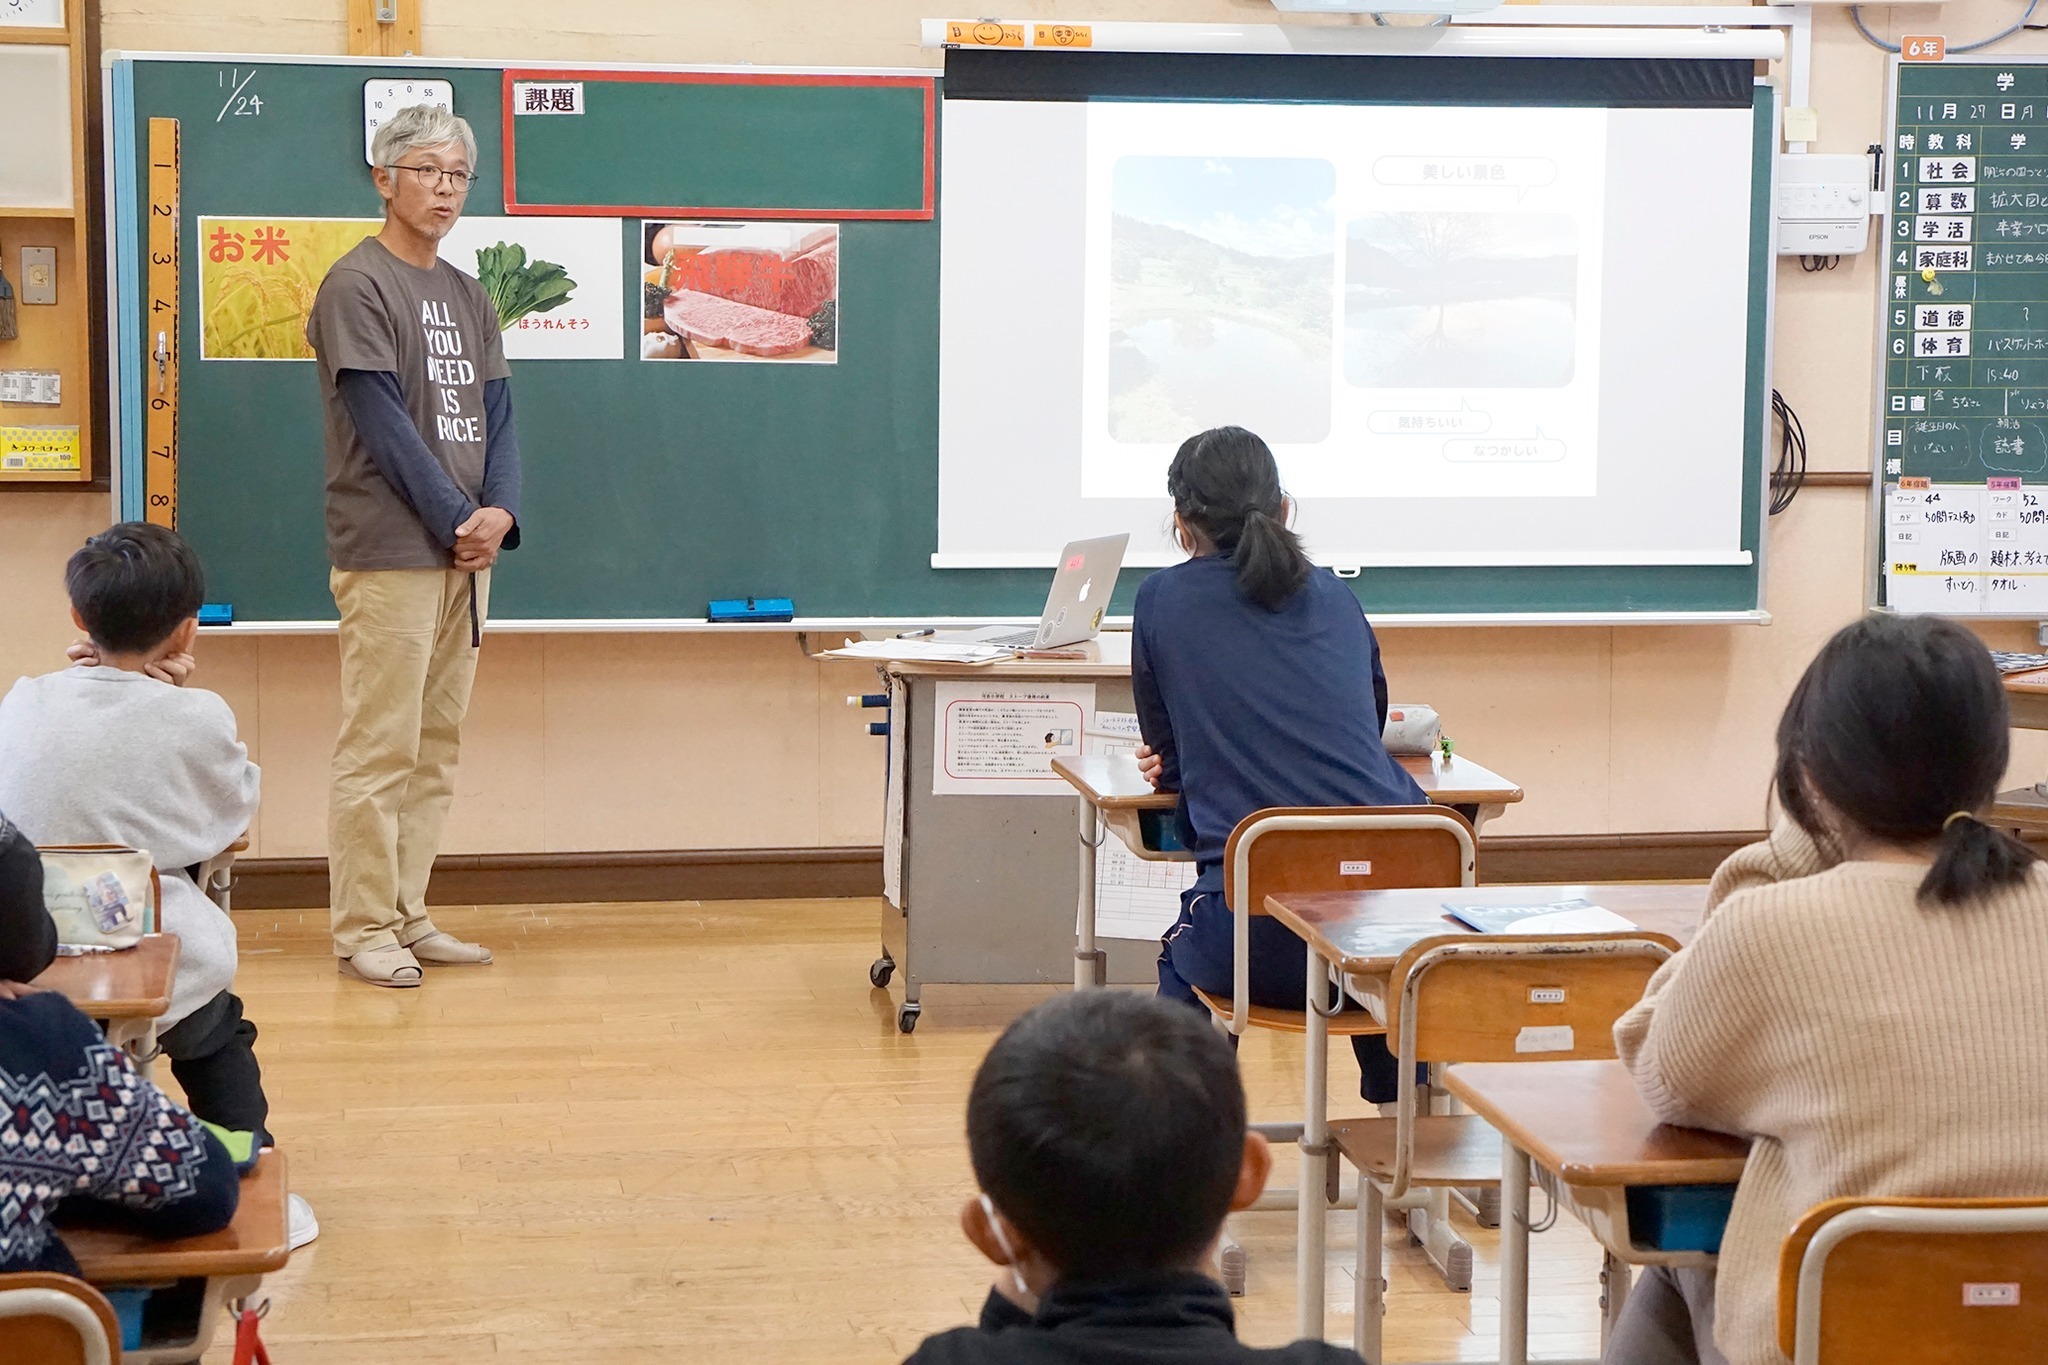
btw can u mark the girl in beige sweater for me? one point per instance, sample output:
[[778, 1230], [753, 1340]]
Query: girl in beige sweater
[[1868, 998]]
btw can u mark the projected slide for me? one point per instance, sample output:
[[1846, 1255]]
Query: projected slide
[[1472, 334], [1406, 303]]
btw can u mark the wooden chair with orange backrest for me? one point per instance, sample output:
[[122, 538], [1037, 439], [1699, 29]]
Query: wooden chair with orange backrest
[[1478, 998], [56, 1320], [1325, 848], [1933, 1281]]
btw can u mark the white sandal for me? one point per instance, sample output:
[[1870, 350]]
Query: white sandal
[[392, 966], [442, 949]]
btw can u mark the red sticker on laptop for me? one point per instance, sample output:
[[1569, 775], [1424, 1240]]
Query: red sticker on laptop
[[1076, 562]]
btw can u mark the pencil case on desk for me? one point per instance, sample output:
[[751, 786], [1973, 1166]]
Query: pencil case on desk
[[1411, 729]]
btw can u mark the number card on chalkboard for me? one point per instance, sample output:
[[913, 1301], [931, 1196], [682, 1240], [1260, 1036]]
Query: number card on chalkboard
[[1963, 422]]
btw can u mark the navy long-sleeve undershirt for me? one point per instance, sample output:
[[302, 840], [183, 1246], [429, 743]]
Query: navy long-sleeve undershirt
[[376, 405]]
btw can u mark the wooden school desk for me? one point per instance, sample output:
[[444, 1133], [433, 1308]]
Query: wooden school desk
[[231, 1262], [129, 989], [1361, 935], [2026, 694], [2023, 809], [1586, 1127], [982, 889], [1113, 796]]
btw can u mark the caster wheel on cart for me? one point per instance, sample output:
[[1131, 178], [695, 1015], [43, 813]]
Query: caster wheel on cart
[[880, 971], [906, 1018]]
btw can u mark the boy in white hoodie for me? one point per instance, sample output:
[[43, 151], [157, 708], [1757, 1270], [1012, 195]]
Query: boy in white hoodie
[[115, 750]]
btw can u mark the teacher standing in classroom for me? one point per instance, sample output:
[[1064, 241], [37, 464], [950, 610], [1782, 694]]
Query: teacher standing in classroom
[[422, 495]]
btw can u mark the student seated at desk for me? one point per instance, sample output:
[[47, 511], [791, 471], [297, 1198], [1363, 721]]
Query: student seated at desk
[[77, 1121], [1257, 682], [1868, 998], [1108, 1136], [117, 750]]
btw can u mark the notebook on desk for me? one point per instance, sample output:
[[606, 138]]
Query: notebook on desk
[[1574, 916]]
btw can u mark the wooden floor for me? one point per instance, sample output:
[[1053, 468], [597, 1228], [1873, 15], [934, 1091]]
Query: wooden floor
[[691, 1132]]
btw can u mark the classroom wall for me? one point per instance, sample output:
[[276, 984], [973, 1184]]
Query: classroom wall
[[602, 741]]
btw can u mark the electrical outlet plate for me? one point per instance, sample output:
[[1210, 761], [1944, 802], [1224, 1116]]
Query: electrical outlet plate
[[39, 274]]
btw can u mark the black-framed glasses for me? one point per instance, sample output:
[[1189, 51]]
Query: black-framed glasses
[[430, 177]]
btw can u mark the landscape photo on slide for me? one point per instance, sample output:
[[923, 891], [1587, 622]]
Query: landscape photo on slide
[[1222, 273], [1460, 300]]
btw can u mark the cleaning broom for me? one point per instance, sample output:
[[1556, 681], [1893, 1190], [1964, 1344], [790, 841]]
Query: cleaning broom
[[8, 329]]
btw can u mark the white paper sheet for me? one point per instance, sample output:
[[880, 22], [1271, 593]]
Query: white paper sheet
[[920, 651], [1134, 898], [1115, 732], [1000, 738]]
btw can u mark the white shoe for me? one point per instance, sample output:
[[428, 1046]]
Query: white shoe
[[304, 1227]]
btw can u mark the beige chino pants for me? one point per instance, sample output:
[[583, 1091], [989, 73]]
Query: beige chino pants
[[406, 670]]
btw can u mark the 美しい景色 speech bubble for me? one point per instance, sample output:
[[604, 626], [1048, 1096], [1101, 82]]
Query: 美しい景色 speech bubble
[[1464, 171]]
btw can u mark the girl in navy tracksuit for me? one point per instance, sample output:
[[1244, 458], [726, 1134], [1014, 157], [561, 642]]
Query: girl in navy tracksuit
[[1258, 684]]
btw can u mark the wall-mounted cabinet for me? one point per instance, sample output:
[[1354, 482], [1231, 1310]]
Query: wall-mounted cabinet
[[52, 373]]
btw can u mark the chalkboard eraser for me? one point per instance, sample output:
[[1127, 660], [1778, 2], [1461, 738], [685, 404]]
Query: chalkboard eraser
[[217, 614], [734, 609]]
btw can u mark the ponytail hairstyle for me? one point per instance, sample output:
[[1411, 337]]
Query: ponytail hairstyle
[[1225, 484], [1899, 727]]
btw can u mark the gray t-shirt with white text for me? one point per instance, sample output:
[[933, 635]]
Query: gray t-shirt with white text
[[437, 331]]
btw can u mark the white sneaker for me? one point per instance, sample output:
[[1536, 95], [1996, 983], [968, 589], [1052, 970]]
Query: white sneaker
[[304, 1227]]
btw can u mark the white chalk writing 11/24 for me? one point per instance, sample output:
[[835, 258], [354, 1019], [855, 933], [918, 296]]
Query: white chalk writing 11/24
[[240, 102]]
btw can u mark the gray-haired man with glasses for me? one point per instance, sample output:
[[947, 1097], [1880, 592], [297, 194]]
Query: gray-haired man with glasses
[[422, 494]]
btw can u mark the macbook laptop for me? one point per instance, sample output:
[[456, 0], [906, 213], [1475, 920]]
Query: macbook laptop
[[1074, 607]]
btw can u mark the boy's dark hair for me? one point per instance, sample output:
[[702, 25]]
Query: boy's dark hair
[[133, 584], [1224, 483], [28, 936], [1898, 724], [1110, 1128]]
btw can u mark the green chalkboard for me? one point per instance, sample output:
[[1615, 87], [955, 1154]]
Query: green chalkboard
[[1962, 427], [651, 489], [826, 146]]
